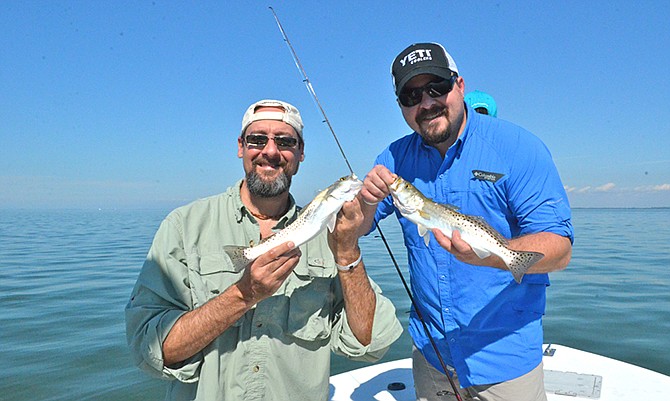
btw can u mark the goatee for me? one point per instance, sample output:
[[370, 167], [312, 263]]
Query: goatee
[[433, 135], [267, 189]]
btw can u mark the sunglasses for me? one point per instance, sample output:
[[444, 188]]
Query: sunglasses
[[412, 96], [258, 141]]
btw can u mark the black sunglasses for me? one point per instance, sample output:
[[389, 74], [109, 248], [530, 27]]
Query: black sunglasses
[[412, 96], [258, 141]]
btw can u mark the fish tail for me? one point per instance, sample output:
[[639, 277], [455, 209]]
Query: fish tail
[[521, 261], [236, 255]]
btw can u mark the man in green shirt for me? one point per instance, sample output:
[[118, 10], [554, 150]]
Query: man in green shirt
[[266, 332]]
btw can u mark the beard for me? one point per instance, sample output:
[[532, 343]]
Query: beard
[[433, 132], [267, 189]]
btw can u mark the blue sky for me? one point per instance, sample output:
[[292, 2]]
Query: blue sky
[[139, 103]]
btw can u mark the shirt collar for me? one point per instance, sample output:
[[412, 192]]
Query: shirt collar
[[241, 211], [470, 117]]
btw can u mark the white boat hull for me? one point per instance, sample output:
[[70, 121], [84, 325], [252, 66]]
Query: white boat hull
[[570, 374]]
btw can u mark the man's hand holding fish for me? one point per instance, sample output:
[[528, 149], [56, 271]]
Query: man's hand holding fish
[[482, 245], [266, 274]]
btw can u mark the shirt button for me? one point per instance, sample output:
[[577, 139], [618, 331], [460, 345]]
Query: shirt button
[[257, 368], [259, 325], [446, 309]]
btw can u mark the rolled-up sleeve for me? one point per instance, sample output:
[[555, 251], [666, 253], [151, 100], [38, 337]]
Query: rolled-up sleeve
[[160, 297], [385, 330], [536, 194]]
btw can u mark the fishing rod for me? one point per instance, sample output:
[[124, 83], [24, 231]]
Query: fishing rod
[[310, 89]]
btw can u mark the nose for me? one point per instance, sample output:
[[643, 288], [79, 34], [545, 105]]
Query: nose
[[270, 148], [426, 100]]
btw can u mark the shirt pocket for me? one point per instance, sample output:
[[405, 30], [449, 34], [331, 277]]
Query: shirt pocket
[[534, 299], [209, 274], [311, 299]]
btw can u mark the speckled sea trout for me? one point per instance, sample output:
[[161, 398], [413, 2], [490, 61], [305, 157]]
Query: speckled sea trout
[[483, 239], [320, 213]]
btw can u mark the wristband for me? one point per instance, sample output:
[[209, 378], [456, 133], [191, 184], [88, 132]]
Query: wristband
[[350, 266]]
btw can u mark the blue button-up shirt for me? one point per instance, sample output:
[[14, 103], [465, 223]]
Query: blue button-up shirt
[[485, 324]]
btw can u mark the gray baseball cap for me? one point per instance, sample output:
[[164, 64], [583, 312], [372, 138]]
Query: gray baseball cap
[[290, 115]]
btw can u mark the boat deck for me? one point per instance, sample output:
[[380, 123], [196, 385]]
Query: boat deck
[[570, 374]]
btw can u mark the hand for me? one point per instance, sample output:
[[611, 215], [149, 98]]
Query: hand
[[376, 185], [267, 273], [461, 249], [343, 241]]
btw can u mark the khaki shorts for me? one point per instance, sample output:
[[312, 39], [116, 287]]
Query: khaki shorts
[[432, 385]]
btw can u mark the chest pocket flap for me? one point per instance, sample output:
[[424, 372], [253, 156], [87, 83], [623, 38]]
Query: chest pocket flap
[[209, 274]]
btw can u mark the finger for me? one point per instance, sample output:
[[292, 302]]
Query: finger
[[377, 183], [285, 264], [369, 198], [376, 176], [458, 243], [352, 209], [374, 189], [347, 209], [276, 252], [277, 268], [386, 175], [442, 239]]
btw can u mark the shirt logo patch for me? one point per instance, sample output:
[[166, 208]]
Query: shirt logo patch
[[487, 176]]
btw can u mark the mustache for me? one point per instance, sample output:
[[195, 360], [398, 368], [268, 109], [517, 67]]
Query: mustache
[[266, 161], [431, 112]]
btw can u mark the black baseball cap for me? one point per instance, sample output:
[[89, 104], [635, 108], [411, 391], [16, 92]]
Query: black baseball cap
[[421, 58]]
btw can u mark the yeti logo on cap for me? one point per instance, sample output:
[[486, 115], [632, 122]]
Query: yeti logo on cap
[[416, 56]]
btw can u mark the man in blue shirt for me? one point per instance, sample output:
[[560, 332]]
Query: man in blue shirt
[[486, 326]]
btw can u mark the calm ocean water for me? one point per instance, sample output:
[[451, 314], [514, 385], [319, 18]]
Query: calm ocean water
[[65, 277]]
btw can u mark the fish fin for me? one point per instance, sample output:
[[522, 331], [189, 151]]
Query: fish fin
[[236, 255], [521, 262], [481, 253], [423, 232], [450, 206], [331, 222]]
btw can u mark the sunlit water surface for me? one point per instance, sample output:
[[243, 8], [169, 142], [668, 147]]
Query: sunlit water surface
[[65, 277]]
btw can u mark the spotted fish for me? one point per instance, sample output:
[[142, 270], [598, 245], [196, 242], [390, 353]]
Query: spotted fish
[[320, 213], [483, 238]]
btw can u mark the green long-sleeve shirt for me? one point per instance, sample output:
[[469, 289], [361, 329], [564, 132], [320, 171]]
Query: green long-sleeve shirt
[[280, 349]]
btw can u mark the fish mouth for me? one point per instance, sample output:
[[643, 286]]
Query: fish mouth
[[397, 184], [395, 189], [350, 177]]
